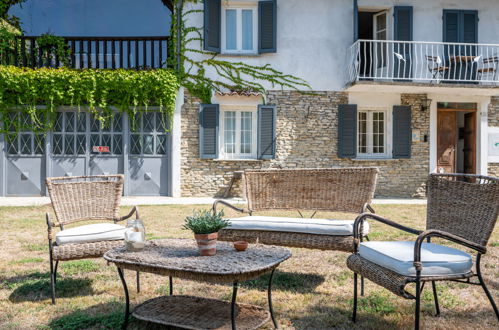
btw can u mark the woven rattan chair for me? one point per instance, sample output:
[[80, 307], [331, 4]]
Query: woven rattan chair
[[461, 208], [83, 198]]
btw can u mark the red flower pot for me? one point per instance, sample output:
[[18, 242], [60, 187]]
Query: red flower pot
[[207, 243]]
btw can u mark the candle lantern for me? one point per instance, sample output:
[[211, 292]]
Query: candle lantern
[[135, 235]]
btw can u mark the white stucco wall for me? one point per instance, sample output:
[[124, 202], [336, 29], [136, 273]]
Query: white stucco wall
[[313, 36]]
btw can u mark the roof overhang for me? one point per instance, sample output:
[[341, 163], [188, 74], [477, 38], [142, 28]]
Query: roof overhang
[[422, 88]]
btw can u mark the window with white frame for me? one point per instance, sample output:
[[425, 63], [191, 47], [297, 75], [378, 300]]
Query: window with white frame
[[238, 138], [239, 27], [372, 133]]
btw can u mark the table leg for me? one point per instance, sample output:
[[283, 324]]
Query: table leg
[[269, 294], [171, 286], [233, 306], [127, 299]]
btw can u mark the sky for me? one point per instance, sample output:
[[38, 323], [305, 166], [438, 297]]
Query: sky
[[93, 17]]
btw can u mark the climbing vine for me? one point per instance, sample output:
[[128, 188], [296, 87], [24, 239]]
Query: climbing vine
[[96, 91], [54, 45], [231, 75]]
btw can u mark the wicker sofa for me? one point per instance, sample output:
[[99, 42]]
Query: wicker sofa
[[347, 190]]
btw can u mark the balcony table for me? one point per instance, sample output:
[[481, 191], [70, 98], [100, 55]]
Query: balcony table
[[180, 258]]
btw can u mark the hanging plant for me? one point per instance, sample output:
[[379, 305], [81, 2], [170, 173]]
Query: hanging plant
[[40, 92]]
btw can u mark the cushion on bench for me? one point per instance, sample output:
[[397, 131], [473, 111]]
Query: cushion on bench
[[90, 233], [436, 259], [296, 225]]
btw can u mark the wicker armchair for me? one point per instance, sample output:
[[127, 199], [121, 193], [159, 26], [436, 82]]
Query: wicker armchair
[[462, 208], [83, 198]]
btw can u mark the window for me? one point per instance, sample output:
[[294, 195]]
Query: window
[[239, 28], [149, 134], [24, 142], [238, 134], [372, 134]]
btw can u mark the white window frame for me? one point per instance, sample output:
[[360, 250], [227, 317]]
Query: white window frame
[[239, 6], [387, 138], [238, 155]]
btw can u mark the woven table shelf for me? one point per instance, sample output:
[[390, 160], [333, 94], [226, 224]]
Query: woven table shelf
[[199, 313]]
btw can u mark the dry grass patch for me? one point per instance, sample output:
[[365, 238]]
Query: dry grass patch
[[313, 289]]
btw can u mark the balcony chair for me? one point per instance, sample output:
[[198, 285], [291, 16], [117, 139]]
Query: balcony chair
[[436, 67], [84, 198], [489, 67], [462, 208]]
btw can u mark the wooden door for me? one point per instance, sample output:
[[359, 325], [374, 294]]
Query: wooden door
[[470, 143], [446, 141]]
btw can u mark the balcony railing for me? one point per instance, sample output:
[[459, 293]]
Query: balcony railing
[[423, 62], [92, 52]]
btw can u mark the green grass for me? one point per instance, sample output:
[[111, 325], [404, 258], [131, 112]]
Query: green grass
[[311, 290], [79, 267], [27, 260]]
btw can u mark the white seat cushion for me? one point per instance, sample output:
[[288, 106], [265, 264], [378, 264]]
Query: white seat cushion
[[436, 259], [90, 233], [296, 225]]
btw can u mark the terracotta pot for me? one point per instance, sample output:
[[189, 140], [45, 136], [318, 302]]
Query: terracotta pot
[[207, 243], [241, 245]]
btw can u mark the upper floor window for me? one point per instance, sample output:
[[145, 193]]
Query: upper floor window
[[239, 28]]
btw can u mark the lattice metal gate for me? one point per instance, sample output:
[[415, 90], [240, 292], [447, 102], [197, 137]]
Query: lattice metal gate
[[80, 145]]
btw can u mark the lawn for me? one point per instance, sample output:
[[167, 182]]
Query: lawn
[[313, 289]]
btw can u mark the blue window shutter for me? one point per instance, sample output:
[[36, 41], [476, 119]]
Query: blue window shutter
[[347, 131], [470, 26], [208, 131], [403, 23], [266, 131], [460, 26], [212, 25], [403, 28], [355, 20], [267, 26], [451, 26], [402, 131]]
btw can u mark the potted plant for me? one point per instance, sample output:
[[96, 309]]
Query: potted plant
[[205, 225]]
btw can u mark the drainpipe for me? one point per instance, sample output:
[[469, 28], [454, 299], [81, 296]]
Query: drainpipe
[[179, 9]]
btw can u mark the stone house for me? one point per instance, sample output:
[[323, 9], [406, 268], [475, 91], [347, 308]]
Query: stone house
[[407, 86]]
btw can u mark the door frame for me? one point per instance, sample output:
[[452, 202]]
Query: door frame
[[481, 128]]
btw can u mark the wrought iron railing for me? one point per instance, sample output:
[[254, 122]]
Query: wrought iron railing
[[430, 62], [92, 52]]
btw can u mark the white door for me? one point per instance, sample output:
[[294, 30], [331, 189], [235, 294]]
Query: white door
[[381, 51]]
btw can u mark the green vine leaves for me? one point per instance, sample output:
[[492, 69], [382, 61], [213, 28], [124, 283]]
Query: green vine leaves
[[231, 75], [100, 92]]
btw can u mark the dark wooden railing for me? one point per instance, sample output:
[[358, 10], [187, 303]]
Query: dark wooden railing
[[93, 52]]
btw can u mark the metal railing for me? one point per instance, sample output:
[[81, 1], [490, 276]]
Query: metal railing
[[92, 52], [427, 62]]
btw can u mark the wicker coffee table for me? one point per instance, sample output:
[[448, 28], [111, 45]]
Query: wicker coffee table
[[180, 258]]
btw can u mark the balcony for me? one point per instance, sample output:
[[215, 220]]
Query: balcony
[[423, 64], [93, 52]]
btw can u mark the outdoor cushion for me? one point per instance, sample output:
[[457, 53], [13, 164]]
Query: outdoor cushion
[[90, 233], [296, 225], [436, 259]]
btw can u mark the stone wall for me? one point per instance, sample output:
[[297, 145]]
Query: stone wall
[[306, 137]]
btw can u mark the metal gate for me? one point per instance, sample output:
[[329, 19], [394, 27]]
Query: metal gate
[[80, 145]]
